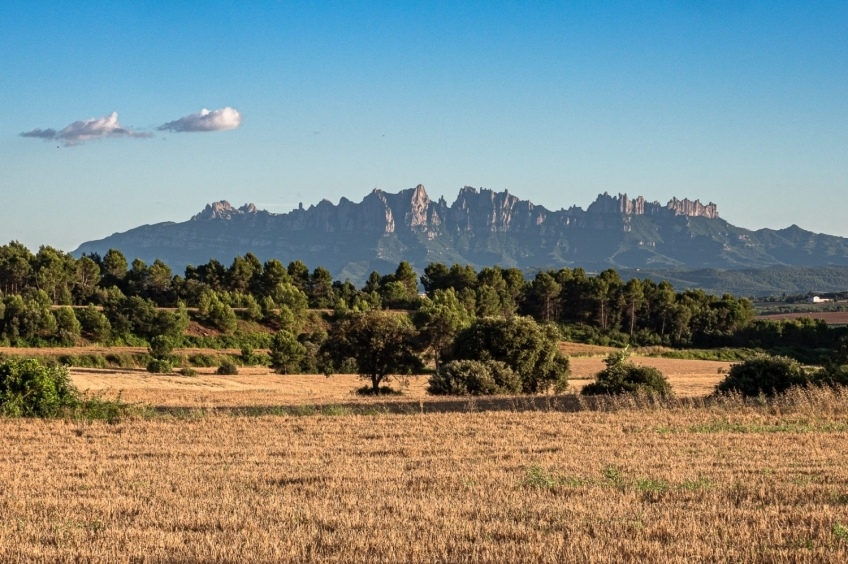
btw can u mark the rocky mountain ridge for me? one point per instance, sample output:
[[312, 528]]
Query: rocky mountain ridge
[[481, 227]]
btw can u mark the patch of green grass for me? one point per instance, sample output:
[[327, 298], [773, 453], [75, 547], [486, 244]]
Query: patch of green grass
[[651, 485], [695, 485], [539, 478]]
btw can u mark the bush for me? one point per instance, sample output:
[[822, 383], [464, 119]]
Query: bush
[[622, 377], [769, 375], [227, 368], [159, 366], [528, 348], [471, 377], [188, 371], [250, 358], [29, 388], [160, 347]]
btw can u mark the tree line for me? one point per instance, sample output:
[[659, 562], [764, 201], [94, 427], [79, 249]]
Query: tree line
[[119, 301]]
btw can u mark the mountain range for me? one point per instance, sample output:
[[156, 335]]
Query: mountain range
[[482, 228]]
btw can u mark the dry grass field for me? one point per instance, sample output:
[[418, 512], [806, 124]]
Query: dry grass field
[[259, 386], [726, 483], [333, 480], [830, 317]]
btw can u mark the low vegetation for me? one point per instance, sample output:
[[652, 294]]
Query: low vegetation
[[731, 481], [622, 376]]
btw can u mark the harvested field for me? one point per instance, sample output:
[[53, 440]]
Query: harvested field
[[830, 317], [259, 386], [723, 483]]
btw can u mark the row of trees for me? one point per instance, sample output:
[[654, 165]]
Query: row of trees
[[602, 308]]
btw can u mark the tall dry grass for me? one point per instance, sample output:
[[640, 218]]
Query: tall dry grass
[[677, 482]]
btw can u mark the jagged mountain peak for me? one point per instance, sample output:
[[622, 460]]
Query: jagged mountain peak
[[222, 209], [481, 227]]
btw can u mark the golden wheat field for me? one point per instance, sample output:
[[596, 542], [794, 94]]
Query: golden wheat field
[[732, 482], [339, 478], [260, 386]]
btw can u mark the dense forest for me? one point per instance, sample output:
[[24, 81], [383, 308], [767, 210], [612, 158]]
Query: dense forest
[[50, 297]]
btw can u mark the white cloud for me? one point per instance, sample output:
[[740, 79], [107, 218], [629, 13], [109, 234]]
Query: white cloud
[[82, 131], [204, 120]]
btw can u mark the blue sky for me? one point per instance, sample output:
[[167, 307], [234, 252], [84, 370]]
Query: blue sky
[[741, 103]]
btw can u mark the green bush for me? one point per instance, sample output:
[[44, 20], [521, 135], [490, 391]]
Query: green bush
[[29, 388], [202, 360], [227, 368], [121, 360], [84, 360], [159, 366], [250, 358], [769, 375], [188, 371], [527, 347], [161, 347], [471, 377], [622, 377]]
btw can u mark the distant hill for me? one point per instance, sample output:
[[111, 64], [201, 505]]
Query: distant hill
[[753, 282], [482, 228]]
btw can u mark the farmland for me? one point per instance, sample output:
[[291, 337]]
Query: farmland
[[259, 386], [721, 483], [337, 477]]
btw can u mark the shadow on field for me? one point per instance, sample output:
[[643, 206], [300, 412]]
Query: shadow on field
[[561, 403]]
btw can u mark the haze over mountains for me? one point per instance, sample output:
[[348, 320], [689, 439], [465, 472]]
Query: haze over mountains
[[482, 228]]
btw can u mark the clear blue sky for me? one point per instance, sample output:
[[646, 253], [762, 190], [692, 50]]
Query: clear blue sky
[[741, 103]]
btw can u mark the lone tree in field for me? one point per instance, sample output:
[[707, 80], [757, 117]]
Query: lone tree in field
[[381, 343], [622, 377], [528, 348]]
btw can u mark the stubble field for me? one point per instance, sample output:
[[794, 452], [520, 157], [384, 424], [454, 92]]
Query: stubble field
[[261, 387], [682, 482]]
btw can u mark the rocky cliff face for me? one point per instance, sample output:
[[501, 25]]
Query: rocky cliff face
[[481, 227]]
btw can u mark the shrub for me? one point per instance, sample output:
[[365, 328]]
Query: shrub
[[528, 348], [471, 377], [188, 371], [159, 366], [250, 358], [769, 375], [160, 347], [29, 388], [622, 377], [227, 368]]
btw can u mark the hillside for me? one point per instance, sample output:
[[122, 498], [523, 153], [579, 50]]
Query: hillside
[[481, 227]]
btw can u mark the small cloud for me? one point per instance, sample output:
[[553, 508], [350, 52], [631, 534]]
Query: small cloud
[[82, 131], [204, 120], [40, 133]]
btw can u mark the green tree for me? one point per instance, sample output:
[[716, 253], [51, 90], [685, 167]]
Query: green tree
[[634, 297], [87, 279], [93, 324], [287, 353], [522, 344], [319, 290], [439, 321], [381, 343], [114, 266], [68, 327]]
